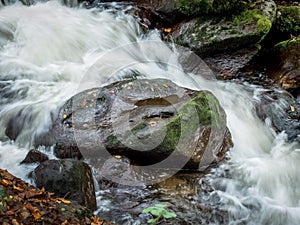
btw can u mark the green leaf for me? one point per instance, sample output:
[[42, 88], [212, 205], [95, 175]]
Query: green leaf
[[152, 221], [147, 210], [169, 215], [157, 212]]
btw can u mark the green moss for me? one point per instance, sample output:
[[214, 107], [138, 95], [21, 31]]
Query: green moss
[[288, 20], [194, 7], [202, 7], [203, 110], [286, 43], [78, 171], [263, 24]]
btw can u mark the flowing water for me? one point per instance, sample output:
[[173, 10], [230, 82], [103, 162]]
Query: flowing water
[[49, 52]]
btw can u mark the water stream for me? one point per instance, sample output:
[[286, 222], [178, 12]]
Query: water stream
[[49, 52]]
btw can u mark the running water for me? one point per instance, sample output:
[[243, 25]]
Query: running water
[[46, 52]]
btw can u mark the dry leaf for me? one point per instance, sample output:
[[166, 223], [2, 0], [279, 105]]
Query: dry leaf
[[5, 182], [36, 215], [18, 188], [167, 30], [62, 200], [292, 108]]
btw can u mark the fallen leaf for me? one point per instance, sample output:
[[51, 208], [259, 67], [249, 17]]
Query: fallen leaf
[[36, 215], [96, 221], [25, 214], [167, 30], [10, 212], [62, 200], [65, 116], [292, 108], [117, 156], [18, 188], [5, 182], [32, 194]]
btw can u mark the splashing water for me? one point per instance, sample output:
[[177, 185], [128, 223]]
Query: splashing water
[[46, 52]]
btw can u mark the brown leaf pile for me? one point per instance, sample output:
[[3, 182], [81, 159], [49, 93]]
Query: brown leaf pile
[[21, 204]]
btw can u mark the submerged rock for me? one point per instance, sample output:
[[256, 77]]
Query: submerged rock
[[68, 178], [208, 33], [152, 122]]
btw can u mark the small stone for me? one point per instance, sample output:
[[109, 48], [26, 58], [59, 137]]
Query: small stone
[[14, 222], [25, 214]]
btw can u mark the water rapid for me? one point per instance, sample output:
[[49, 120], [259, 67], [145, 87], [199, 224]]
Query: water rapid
[[49, 52]]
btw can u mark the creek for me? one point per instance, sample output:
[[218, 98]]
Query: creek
[[49, 52]]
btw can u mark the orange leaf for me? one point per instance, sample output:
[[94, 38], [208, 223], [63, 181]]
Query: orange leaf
[[65, 223], [18, 188], [36, 215], [167, 30], [62, 200], [96, 220], [5, 182]]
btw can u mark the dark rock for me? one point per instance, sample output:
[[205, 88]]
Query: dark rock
[[204, 7], [287, 24], [67, 178], [227, 65], [148, 121], [210, 34], [34, 156], [283, 64], [282, 110]]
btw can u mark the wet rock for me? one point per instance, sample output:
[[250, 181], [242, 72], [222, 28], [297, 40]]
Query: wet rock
[[209, 34], [282, 110], [148, 121], [34, 156], [227, 65], [283, 64], [67, 178]]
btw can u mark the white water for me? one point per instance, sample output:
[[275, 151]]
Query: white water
[[48, 50]]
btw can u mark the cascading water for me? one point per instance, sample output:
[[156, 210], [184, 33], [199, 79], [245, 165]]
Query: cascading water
[[47, 50]]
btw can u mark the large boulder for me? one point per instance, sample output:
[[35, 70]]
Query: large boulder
[[148, 121], [68, 178], [211, 33]]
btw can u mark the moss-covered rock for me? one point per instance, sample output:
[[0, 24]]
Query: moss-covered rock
[[209, 34], [147, 121], [288, 20], [203, 7]]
